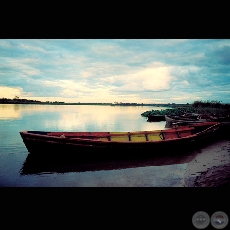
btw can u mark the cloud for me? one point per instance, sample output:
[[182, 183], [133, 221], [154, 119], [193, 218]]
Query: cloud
[[222, 54], [144, 70], [155, 78], [21, 67], [11, 92], [4, 44], [32, 48], [185, 82], [107, 49]]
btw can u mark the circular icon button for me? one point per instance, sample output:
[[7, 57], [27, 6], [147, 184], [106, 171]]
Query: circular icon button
[[201, 220], [219, 220]]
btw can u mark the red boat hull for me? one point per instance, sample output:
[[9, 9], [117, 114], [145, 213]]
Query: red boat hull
[[103, 145]]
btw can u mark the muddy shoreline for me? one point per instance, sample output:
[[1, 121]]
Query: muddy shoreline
[[210, 167], [217, 176]]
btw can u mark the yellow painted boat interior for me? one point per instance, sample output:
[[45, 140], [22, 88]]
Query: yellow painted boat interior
[[144, 136], [120, 138]]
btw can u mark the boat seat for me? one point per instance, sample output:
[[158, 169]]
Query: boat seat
[[155, 137], [137, 137], [119, 138]]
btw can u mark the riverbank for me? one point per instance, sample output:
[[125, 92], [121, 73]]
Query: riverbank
[[210, 167]]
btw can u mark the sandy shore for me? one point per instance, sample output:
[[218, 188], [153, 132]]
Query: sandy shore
[[210, 167]]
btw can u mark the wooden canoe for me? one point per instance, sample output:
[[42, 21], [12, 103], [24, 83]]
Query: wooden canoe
[[171, 120], [123, 143], [187, 120]]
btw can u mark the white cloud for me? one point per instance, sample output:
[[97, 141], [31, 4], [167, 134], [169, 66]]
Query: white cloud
[[11, 92], [178, 98], [31, 72], [156, 78], [22, 66], [69, 93], [85, 74], [171, 42], [108, 50], [5, 44], [185, 82], [36, 48]]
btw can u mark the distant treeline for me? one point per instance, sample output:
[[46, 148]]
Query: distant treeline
[[26, 101], [17, 100]]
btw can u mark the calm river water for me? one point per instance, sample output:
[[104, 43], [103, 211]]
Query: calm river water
[[19, 169]]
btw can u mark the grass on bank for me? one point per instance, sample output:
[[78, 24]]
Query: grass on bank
[[210, 108]]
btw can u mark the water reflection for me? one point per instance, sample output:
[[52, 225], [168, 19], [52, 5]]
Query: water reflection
[[80, 117], [9, 112], [15, 158], [17, 111], [40, 164]]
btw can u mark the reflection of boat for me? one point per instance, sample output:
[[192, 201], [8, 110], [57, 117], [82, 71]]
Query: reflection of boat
[[37, 164], [102, 145]]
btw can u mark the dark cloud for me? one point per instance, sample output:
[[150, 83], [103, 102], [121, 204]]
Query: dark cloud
[[222, 55]]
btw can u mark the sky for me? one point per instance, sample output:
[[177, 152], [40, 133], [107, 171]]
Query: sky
[[116, 70]]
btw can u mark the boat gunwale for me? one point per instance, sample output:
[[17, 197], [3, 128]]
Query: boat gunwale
[[173, 130]]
